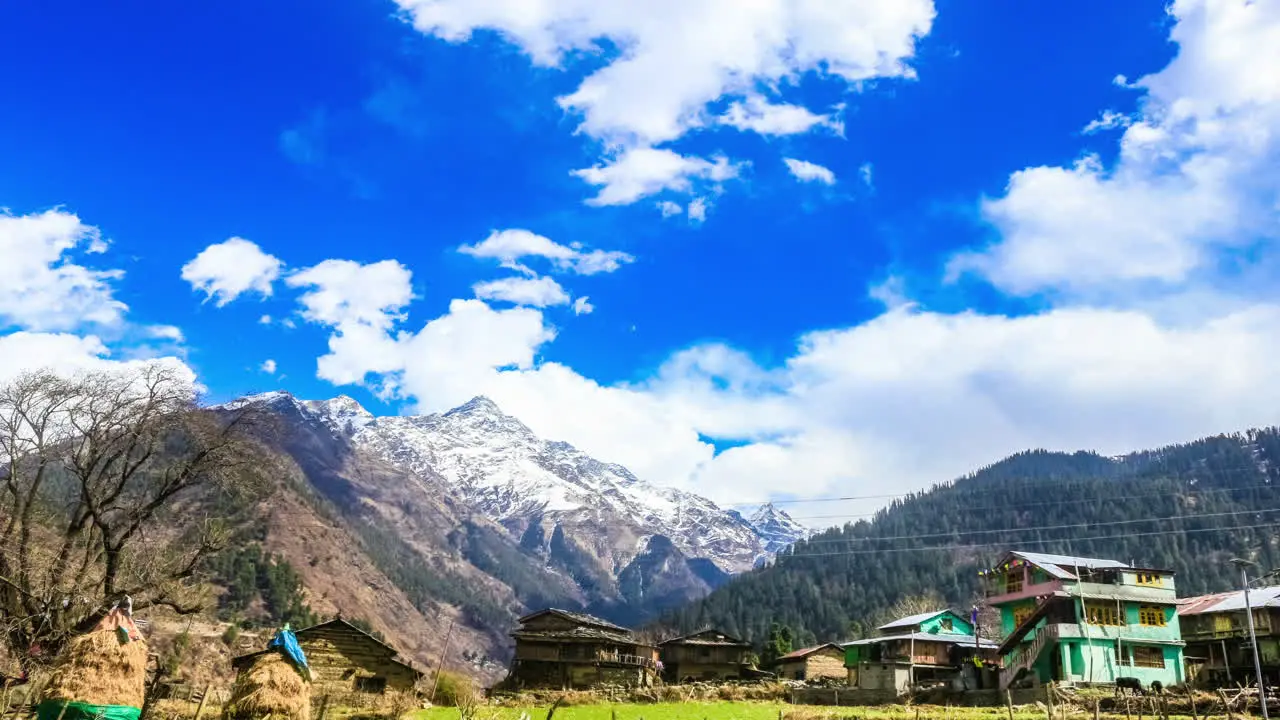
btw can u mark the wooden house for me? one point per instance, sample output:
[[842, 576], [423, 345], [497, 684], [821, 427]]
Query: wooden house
[[345, 659], [562, 649], [821, 662], [1085, 620], [936, 647], [706, 655], [1217, 635]]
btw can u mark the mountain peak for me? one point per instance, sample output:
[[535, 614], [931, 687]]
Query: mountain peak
[[776, 527], [478, 405]]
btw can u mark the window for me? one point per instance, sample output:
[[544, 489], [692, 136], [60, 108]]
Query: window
[[947, 624], [371, 684], [1020, 614], [1147, 657], [1013, 581], [1152, 615], [1150, 579], [1102, 615]]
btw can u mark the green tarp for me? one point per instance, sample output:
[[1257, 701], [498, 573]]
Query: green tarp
[[51, 709]]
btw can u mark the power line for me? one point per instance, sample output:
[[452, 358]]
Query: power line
[[1042, 527], [1190, 475], [981, 546], [1096, 499]]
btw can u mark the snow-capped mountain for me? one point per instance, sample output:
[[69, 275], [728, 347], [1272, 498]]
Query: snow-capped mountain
[[776, 528], [514, 477], [622, 540]]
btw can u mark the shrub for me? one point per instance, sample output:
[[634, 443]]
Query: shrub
[[451, 687], [230, 635]]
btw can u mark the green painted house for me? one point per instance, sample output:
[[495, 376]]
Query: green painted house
[[929, 648], [1078, 620]]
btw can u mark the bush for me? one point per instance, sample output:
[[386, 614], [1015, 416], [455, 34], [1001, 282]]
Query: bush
[[230, 635], [451, 687]]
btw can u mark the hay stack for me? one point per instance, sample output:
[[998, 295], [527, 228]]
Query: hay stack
[[98, 669], [270, 687]]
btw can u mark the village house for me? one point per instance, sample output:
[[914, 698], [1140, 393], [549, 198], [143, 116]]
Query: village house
[[562, 649], [1084, 620], [936, 647], [345, 659], [1218, 652], [706, 655], [815, 663]]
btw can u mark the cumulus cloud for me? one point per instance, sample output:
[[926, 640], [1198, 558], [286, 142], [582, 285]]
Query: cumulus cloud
[[656, 85], [669, 208], [1198, 172], [758, 115], [805, 171], [224, 271], [698, 210], [42, 287], [849, 408], [68, 353], [268, 366], [536, 292], [583, 306], [641, 172], [510, 247]]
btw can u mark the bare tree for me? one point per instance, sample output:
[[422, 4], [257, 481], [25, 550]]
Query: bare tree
[[102, 482]]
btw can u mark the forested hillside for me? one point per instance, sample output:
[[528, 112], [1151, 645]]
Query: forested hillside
[[1221, 491]]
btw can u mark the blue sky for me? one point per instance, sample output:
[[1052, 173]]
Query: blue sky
[[845, 245]]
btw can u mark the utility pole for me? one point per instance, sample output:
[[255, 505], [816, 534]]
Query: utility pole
[[1253, 636], [440, 667]]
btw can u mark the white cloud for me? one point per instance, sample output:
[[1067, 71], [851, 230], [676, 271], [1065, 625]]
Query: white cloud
[[583, 306], [536, 292], [669, 208], [224, 271], [268, 366], [698, 210], [67, 354], [656, 85], [865, 172], [509, 247], [806, 171], [166, 332], [758, 115], [361, 303], [1198, 173], [41, 287], [641, 172], [264, 320], [1110, 120]]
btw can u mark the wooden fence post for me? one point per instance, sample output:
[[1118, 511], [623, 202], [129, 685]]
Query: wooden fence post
[[204, 697], [1226, 706], [1191, 696], [1097, 709]]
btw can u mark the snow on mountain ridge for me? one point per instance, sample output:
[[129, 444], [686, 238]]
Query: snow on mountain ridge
[[505, 471]]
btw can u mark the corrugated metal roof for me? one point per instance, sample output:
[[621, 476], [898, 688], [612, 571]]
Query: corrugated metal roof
[[1062, 566], [928, 637], [797, 654], [1229, 601], [912, 619]]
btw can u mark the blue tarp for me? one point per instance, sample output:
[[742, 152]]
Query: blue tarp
[[286, 642]]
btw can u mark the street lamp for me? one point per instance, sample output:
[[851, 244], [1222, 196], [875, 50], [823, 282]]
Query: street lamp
[[1253, 637]]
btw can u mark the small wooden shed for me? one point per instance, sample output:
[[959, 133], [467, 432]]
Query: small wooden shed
[[345, 659], [814, 663]]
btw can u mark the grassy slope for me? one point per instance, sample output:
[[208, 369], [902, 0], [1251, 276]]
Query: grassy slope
[[755, 711]]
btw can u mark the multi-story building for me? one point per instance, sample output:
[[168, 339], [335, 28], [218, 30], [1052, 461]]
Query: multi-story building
[[1217, 635], [1084, 620]]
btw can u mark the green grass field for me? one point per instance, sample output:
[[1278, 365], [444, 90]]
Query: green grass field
[[751, 711]]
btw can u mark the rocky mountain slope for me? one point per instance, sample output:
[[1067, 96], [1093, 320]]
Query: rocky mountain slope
[[467, 515]]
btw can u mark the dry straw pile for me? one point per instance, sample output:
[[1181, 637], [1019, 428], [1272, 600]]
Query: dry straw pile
[[98, 669], [271, 687]]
